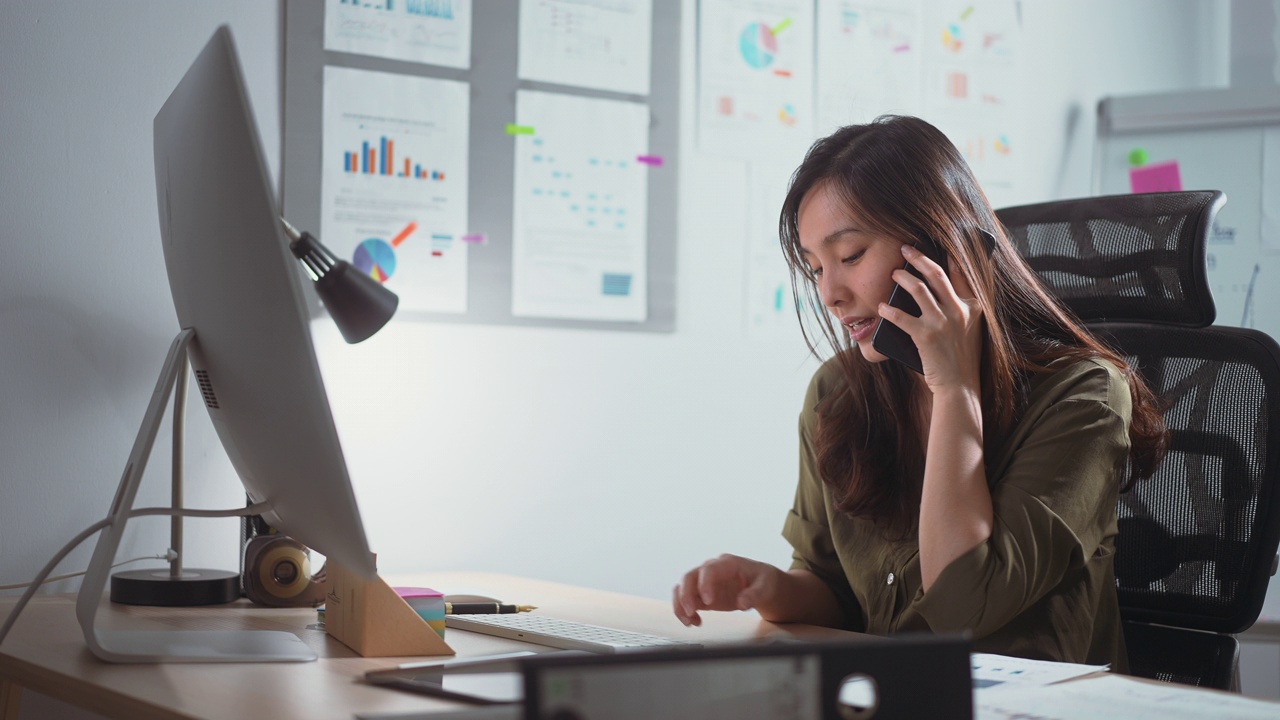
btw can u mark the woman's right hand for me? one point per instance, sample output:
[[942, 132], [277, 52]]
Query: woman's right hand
[[728, 582]]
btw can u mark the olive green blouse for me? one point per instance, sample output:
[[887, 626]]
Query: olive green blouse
[[1043, 586]]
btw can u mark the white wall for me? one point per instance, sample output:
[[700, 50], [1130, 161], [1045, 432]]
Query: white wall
[[613, 460]]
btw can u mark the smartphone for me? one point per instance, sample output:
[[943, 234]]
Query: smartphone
[[891, 340]]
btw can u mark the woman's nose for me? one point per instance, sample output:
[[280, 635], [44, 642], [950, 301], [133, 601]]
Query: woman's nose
[[834, 293]]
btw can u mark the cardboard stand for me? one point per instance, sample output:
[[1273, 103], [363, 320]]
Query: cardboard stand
[[370, 618]]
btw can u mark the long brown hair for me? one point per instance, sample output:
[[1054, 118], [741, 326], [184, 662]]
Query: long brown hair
[[904, 179]]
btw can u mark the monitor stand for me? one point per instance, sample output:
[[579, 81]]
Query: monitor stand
[[153, 646]]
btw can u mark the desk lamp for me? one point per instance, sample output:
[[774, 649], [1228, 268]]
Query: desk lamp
[[359, 306]]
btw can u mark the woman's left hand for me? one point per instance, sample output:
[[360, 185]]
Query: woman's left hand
[[948, 332]]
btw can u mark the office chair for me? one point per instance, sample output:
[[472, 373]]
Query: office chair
[[1197, 541]]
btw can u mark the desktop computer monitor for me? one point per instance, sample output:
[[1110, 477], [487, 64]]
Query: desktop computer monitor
[[245, 326]]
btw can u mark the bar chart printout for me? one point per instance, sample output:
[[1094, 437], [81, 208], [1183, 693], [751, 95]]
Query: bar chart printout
[[394, 183]]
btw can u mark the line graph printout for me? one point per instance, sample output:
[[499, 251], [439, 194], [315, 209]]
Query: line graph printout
[[869, 60], [580, 214], [437, 32], [755, 85], [394, 183], [598, 44]]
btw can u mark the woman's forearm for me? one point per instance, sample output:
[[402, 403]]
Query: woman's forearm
[[955, 503]]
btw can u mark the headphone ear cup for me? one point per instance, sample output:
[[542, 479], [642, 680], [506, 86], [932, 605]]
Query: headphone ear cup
[[277, 573]]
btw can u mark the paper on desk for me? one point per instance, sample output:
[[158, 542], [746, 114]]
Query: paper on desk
[[1116, 696], [1001, 672]]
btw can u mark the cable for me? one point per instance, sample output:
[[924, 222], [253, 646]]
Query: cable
[[255, 509], [68, 576]]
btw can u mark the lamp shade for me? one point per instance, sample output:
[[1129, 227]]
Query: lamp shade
[[358, 304]]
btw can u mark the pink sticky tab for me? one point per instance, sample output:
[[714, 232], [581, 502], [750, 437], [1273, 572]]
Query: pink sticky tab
[[417, 592], [654, 160], [477, 238], [1161, 177]]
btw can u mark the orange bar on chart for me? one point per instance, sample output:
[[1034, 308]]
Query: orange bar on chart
[[406, 167], [406, 232], [390, 154]]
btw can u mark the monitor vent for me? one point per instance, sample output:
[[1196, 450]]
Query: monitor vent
[[206, 389]]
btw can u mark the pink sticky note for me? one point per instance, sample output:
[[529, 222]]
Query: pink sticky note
[[1161, 177], [417, 592]]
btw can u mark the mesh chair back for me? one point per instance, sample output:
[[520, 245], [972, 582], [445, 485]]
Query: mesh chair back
[[1122, 258], [1197, 540]]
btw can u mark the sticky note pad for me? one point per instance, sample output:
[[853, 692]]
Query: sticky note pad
[[428, 603], [1161, 177]]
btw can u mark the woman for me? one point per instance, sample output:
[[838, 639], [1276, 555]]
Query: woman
[[977, 496]]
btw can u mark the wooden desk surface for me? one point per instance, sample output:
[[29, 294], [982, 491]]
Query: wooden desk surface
[[45, 652]]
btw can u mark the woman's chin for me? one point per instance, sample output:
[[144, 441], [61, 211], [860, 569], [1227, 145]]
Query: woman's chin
[[869, 353]]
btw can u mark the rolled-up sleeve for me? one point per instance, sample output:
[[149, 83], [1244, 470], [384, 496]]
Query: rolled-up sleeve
[[1053, 508]]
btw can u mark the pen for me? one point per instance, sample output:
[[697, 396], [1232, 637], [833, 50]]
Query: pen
[[477, 608]]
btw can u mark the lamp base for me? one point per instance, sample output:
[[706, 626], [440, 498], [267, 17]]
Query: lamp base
[[195, 586]]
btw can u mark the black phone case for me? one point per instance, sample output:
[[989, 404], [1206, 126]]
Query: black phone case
[[891, 340]]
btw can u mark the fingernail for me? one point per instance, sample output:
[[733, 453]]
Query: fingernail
[[908, 250]]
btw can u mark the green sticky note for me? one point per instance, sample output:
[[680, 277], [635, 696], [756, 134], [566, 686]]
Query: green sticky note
[[514, 129], [1138, 157]]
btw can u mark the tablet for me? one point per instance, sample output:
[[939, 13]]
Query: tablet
[[478, 688]]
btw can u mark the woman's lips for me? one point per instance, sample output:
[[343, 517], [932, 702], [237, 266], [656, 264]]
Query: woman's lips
[[860, 328]]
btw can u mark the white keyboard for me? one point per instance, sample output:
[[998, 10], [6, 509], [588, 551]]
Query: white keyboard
[[564, 634]]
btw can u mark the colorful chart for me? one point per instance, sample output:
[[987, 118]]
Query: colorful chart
[[378, 158], [442, 9], [375, 258], [953, 38], [758, 45], [787, 115]]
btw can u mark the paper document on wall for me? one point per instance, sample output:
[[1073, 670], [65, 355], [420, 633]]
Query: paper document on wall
[[394, 183], [580, 234], [971, 85], [598, 44], [869, 60], [437, 32], [1270, 240], [755, 75], [770, 311], [1115, 696]]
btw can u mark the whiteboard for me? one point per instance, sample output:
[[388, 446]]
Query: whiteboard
[[1218, 139], [1228, 140]]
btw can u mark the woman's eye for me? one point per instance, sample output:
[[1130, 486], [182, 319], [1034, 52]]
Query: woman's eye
[[852, 258], [815, 272]]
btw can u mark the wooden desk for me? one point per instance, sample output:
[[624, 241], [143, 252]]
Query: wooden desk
[[45, 652]]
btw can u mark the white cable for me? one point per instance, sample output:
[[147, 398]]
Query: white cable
[[255, 509], [68, 576]]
